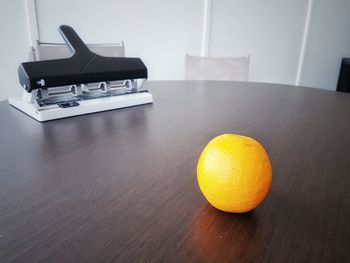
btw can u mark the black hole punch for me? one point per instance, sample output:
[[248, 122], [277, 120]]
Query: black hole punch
[[83, 67]]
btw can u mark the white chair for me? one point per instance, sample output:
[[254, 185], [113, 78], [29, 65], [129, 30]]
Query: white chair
[[217, 68], [46, 51]]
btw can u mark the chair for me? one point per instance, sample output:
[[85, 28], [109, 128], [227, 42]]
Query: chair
[[46, 51], [217, 68]]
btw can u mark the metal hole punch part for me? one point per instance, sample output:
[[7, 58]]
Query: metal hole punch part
[[84, 83]]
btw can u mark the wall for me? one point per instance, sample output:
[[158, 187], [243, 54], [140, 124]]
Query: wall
[[329, 42], [158, 31], [161, 32], [269, 31], [14, 45]]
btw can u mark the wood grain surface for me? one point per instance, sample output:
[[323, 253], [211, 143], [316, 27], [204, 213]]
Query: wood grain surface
[[120, 186]]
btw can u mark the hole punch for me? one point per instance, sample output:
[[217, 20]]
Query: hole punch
[[83, 83]]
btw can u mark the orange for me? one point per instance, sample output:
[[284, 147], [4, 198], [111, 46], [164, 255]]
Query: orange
[[234, 173]]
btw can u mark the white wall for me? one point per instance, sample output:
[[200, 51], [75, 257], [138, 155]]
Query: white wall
[[161, 32], [270, 31], [329, 42], [14, 45], [158, 31]]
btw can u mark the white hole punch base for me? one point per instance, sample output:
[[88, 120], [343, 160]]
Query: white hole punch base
[[84, 107]]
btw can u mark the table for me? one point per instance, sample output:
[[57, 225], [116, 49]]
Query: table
[[120, 186]]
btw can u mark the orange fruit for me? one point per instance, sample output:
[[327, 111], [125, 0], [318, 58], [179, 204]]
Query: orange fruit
[[234, 173]]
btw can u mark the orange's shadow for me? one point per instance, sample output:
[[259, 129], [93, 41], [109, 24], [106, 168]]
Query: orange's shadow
[[224, 237]]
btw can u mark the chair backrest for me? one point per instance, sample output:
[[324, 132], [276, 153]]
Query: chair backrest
[[46, 51], [217, 68]]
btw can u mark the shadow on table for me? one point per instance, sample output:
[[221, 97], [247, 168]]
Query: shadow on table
[[64, 135], [225, 237]]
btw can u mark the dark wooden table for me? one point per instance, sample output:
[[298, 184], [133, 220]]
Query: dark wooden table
[[120, 186]]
